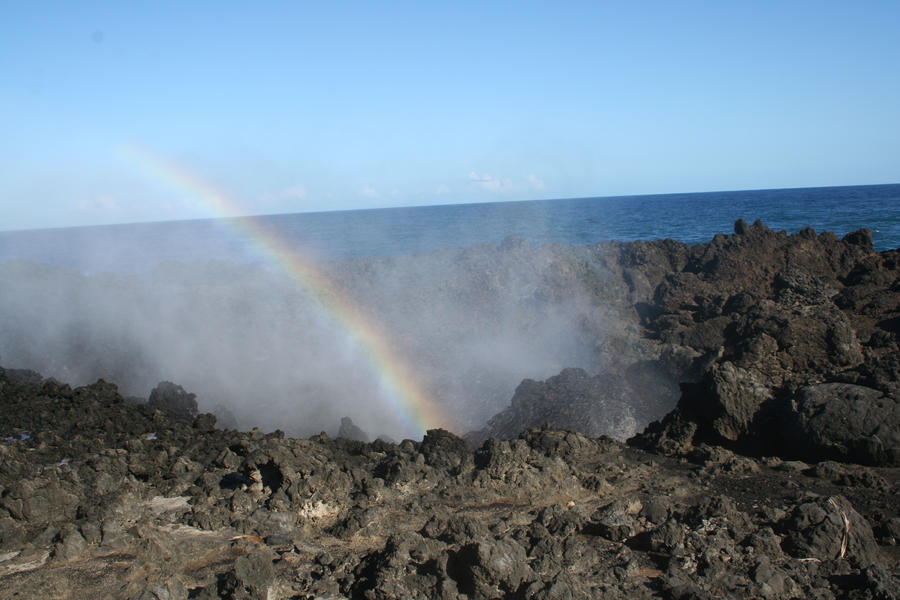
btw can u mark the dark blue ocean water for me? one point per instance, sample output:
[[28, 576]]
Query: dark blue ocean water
[[691, 218]]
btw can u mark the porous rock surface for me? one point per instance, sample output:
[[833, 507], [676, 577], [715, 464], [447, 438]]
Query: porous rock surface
[[781, 345], [103, 498], [785, 349], [801, 352]]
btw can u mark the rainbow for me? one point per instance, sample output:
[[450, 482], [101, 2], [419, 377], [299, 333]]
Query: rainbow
[[407, 396]]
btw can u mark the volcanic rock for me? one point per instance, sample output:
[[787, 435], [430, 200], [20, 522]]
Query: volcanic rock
[[173, 398], [785, 349], [348, 430], [847, 422], [183, 512], [803, 366], [594, 405]]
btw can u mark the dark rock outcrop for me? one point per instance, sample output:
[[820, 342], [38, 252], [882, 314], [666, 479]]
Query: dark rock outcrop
[[848, 422], [349, 430], [786, 351], [175, 399], [594, 405], [743, 323], [99, 497], [785, 336]]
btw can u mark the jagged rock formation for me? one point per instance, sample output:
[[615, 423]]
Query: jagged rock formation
[[783, 345], [804, 359], [175, 399], [348, 430], [785, 348], [102, 498]]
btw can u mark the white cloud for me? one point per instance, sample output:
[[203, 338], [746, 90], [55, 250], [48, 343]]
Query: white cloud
[[442, 190], [491, 183], [294, 192], [506, 184], [535, 182], [370, 192]]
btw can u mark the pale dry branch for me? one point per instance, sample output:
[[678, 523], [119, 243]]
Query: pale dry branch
[[845, 536]]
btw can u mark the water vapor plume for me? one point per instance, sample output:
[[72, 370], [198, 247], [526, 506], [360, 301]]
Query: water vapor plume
[[397, 343], [471, 324]]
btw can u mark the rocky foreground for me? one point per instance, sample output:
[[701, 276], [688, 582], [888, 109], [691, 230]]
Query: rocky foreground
[[776, 476]]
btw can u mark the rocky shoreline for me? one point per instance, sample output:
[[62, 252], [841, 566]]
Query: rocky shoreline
[[775, 476]]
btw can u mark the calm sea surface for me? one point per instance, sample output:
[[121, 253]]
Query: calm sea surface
[[691, 218]]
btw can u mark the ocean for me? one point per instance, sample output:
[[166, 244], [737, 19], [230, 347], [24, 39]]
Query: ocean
[[690, 218]]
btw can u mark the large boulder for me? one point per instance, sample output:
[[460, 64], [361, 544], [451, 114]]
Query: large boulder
[[489, 568], [443, 450], [724, 407], [845, 422], [727, 401], [829, 529]]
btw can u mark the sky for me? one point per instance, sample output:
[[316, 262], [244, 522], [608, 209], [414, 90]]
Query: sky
[[298, 106]]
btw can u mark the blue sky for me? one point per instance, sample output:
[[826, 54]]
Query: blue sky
[[292, 106]]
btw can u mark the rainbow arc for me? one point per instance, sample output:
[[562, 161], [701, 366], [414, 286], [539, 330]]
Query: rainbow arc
[[406, 395]]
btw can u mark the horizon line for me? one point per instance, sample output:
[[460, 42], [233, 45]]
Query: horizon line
[[446, 204]]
